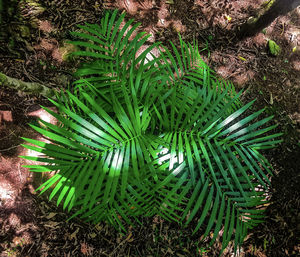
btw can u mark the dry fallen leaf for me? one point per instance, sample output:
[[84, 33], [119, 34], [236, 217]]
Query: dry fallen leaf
[[50, 215], [129, 239], [85, 249], [51, 224], [73, 235], [98, 227], [92, 235]]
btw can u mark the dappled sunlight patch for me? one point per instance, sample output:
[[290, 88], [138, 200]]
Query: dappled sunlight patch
[[150, 31], [296, 65], [292, 34], [51, 47], [13, 178], [243, 77], [260, 40], [47, 45], [44, 115], [224, 71], [56, 55], [163, 15], [225, 12], [134, 33], [149, 57], [46, 26], [14, 220], [146, 4], [7, 192], [233, 67], [33, 154], [178, 26], [129, 5], [23, 239]]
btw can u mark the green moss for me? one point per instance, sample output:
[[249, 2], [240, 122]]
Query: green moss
[[67, 50], [274, 48], [252, 20], [267, 5], [24, 31], [3, 78]]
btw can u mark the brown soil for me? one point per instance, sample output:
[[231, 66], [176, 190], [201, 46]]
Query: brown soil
[[32, 226]]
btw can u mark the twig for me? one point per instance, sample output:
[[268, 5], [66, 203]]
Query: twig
[[12, 132], [31, 77], [77, 22], [7, 149], [243, 50], [75, 10]]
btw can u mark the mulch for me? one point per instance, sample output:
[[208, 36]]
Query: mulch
[[30, 225]]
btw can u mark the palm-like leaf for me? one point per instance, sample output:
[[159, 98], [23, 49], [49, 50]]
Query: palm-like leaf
[[162, 136]]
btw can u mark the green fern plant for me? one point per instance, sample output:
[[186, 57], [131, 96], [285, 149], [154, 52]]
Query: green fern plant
[[143, 135]]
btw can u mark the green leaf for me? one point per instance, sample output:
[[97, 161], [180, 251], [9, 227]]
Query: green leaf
[[142, 134]]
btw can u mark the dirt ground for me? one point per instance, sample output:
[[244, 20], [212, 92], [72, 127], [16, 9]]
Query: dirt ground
[[32, 49]]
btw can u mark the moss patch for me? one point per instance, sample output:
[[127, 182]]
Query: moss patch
[[274, 48]]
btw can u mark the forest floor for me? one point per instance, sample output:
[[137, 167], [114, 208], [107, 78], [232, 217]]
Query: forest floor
[[32, 47]]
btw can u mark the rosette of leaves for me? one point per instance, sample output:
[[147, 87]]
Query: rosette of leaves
[[143, 135]]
